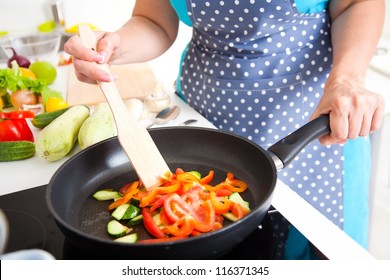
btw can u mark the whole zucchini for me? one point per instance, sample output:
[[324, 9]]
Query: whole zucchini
[[98, 127], [16, 150], [57, 139]]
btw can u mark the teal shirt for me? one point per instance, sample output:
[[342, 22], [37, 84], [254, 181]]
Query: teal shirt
[[304, 6]]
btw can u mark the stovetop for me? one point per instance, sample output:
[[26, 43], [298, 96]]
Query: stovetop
[[31, 226]]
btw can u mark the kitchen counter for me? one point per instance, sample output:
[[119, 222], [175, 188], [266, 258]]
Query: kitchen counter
[[35, 171]]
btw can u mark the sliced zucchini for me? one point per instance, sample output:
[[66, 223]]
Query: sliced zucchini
[[196, 174], [107, 195], [116, 229], [120, 211], [157, 220], [230, 216], [237, 198], [131, 212], [136, 220], [130, 238], [135, 201], [125, 212]]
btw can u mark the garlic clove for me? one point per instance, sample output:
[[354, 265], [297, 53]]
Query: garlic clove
[[158, 99], [135, 106]]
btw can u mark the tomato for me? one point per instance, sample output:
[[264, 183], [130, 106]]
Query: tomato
[[204, 217], [175, 207]]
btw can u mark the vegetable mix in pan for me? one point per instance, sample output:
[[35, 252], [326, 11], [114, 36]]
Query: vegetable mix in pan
[[184, 205]]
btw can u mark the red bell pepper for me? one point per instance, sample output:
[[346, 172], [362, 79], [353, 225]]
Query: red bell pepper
[[14, 127], [150, 224], [221, 204], [127, 196], [181, 228]]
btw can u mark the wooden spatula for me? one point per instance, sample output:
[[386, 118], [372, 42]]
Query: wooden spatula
[[135, 140]]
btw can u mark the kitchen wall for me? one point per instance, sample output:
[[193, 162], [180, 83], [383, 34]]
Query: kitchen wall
[[26, 15], [386, 30], [22, 16]]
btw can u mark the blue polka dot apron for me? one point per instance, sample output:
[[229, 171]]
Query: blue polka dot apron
[[257, 68]]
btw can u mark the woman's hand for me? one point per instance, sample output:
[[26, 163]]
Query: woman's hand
[[84, 59], [353, 110]]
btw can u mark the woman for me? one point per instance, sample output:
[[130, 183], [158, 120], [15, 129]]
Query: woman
[[261, 69]]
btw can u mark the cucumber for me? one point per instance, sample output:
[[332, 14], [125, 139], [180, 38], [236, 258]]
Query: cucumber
[[131, 212], [130, 238], [116, 229], [157, 219], [237, 198], [230, 216], [196, 174], [106, 195], [136, 220], [57, 139], [125, 212], [135, 201], [16, 150], [43, 119], [98, 127]]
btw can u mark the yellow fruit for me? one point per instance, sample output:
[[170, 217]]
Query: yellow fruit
[[44, 70], [1, 103], [55, 103], [74, 28], [27, 73]]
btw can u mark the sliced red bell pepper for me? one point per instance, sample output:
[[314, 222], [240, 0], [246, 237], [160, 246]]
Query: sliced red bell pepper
[[181, 228], [239, 211], [221, 204], [150, 224], [208, 178], [127, 196], [152, 196], [159, 240], [239, 186]]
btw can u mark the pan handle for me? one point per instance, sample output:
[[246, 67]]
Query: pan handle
[[289, 147]]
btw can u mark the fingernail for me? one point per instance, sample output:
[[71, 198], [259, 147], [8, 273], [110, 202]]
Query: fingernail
[[109, 78], [101, 56]]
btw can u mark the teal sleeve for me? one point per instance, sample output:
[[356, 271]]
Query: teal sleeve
[[304, 6], [180, 7], [311, 6]]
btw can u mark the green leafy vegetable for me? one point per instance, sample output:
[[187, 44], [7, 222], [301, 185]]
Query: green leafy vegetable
[[11, 80]]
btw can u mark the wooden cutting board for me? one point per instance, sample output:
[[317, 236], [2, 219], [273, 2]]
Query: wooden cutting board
[[134, 81]]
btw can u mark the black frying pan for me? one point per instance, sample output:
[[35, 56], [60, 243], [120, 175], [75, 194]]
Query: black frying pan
[[83, 219]]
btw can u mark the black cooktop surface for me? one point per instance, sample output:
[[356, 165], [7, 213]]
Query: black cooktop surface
[[32, 226]]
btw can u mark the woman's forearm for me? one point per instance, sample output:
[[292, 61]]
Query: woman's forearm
[[149, 33], [356, 28]]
